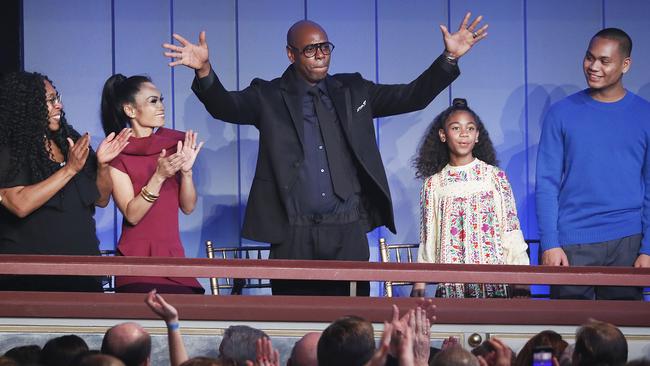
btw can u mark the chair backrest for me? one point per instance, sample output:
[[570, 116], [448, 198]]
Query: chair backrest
[[236, 285], [108, 281], [398, 253]]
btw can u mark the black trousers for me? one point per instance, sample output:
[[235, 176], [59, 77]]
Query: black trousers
[[323, 237], [50, 283], [618, 252]]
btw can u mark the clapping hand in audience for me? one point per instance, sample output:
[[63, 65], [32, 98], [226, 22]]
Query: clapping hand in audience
[[381, 354], [448, 343], [420, 325], [266, 354], [502, 354]]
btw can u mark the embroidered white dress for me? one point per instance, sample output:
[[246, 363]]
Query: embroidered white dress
[[468, 216]]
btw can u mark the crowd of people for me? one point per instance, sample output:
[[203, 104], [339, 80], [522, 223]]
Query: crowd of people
[[348, 341]]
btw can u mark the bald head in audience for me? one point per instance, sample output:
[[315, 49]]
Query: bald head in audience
[[129, 342], [455, 356], [305, 351]]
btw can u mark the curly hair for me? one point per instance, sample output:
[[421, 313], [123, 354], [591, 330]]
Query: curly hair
[[24, 127], [433, 154]]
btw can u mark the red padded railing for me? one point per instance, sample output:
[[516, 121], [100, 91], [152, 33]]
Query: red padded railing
[[321, 309], [321, 270]]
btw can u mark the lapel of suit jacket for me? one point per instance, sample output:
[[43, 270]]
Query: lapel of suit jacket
[[293, 100], [340, 96]]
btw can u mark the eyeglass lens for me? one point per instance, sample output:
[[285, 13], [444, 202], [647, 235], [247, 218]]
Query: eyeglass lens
[[325, 47]]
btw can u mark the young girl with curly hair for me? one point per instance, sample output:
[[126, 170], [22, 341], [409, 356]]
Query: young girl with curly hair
[[468, 212]]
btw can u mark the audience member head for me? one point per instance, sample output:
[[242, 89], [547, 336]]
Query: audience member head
[[639, 362], [32, 117], [546, 338], [207, 361], [25, 355], [129, 342], [454, 356], [60, 351], [6, 361], [434, 152], [305, 351], [96, 358], [348, 341], [566, 358], [131, 102], [309, 50], [239, 342], [599, 344]]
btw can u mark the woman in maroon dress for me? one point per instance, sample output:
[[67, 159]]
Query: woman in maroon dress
[[152, 178]]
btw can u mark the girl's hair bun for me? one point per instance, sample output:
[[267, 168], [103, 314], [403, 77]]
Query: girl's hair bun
[[459, 102]]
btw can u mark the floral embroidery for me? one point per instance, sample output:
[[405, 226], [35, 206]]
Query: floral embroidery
[[467, 221]]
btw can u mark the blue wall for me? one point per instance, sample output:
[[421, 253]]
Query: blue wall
[[531, 59]]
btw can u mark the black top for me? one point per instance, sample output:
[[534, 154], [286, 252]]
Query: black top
[[313, 192], [63, 225]]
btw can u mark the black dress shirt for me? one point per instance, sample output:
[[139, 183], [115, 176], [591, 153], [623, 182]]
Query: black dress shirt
[[313, 192]]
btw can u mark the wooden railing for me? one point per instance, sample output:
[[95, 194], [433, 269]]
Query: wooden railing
[[321, 309], [321, 270]]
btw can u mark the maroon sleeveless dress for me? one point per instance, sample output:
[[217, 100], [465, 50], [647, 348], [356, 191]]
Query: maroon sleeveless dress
[[156, 235]]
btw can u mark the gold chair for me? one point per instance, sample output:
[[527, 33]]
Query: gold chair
[[236, 285], [108, 281], [397, 253]]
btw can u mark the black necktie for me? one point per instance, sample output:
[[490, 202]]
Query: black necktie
[[333, 146]]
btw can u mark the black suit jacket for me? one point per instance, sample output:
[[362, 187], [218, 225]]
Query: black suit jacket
[[275, 108]]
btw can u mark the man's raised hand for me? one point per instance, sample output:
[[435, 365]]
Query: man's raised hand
[[194, 56], [468, 34]]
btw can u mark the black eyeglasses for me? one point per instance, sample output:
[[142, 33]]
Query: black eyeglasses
[[55, 99], [310, 50]]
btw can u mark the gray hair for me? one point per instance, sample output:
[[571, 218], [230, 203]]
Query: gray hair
[[238, 344]]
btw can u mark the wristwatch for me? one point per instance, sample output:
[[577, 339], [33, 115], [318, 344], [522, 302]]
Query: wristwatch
[[451, 59]]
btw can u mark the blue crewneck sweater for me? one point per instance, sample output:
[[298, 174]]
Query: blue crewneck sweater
[[593, 167]]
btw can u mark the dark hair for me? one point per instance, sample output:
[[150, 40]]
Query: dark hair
[[639, 362], [599, 344], [7, 361], [25, 355], [24, 126], [60, 351], [433, 154], [119, 90], [239, 343], [618, 35], [95, 358], [206, 361], [547, 338], [348, 341]]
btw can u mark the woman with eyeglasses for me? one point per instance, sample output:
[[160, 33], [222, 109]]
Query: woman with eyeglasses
[[50, 181], [152, 179]]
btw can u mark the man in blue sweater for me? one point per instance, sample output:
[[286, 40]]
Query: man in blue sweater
[[593, 173]]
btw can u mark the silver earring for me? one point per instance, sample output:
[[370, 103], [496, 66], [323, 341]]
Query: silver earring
[[442, 139]]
